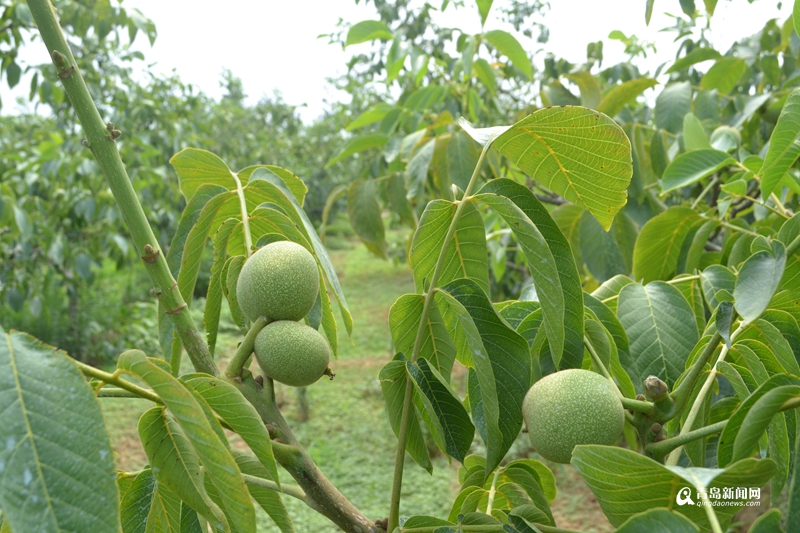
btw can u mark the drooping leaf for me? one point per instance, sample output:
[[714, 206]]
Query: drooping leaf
[[693, 166], [175, 464], [671, 106], [569, 281], [591, 92], [136, 503], [661, 329], [658, 246], [367, 30], [599, 250], [694, 135], [698, 55], [724, 75], [213, 453], [57, 464], [393, 378], [507, 44], [545, 145], [357, 145], [232, 407], [447, 412], [616, 99], [365, 216], [758, 278], [502, 365], [783, 146]]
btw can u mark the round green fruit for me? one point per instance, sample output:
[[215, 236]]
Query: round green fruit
[[280, 281], [572, 407], [292, 353]]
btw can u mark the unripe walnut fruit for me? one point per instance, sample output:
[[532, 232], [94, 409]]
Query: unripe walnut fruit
[[280, 281], [572, 407], [292, 353]]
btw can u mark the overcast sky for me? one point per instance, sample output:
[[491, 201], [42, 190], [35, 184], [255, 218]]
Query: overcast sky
[[273, 45]]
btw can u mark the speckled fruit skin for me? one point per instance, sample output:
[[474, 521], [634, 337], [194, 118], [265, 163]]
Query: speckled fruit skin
[[572, 407], [280, 281], [292, 353]]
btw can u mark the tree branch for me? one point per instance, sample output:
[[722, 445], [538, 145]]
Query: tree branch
[[104, 148]]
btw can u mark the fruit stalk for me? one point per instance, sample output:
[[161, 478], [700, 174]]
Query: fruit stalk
[[245, 349], [402, 435], [104, 148]]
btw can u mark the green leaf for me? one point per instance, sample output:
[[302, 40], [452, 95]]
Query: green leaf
[[627, 483], [616, 99], [486, 75], [370, 116], [240, 415], [269, 500], [729, 435], [136, 503], [462, 157], [672, 104], [507, 44], [502, 367], [393, 378], [57, 464], [367, 30], [723, 320], [757, 281], [437, 347], [698, 55], [591, 92], [211, 311], [175, 464], [541, 264], [724, 75], [769, 522], [758, 417], [570, 285], [580, 154], [661, 329], [417, 169], [483, 8], [446, 411], [216, 458], [658, 521], [718, 283], [465, 255], [599, 249], [197, 167], [693, 166], [694, 135], [658, 246], [357, 145], [365, 216], [783, 145], [796, 17], [292, 182]]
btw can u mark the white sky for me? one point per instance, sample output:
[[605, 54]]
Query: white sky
[[273, 44]]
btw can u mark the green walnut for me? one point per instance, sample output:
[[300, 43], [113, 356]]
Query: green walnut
[[280, 281], [292, 353], [572, 407]]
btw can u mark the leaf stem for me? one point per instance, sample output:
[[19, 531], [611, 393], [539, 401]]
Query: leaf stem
[[646, 408], [248, 239], [658, 450], [245, 349], [492, 492], [705, 191], [672, 460], [290, 490], [104, 148], [115, 379], [402, 434]]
